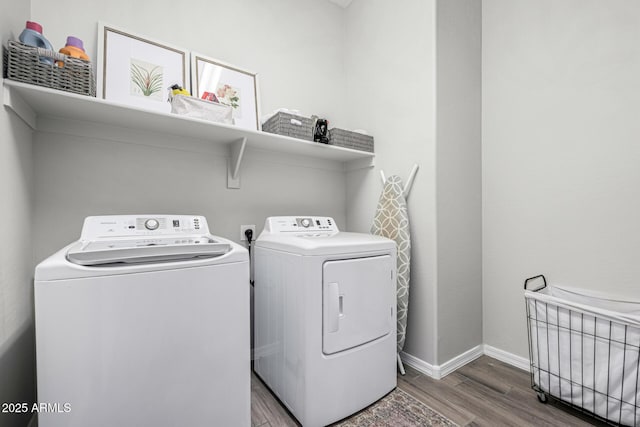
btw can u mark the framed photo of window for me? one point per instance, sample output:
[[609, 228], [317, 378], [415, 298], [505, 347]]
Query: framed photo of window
[[227, 84], [138, 71]]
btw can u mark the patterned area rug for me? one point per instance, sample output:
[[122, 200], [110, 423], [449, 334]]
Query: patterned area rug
[[397, 409]]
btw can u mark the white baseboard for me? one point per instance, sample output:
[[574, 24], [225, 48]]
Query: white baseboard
[[508, 358], [459, 361], [440, 371], [418, 364]]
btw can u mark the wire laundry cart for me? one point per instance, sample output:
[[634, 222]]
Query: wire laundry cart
[[584, 350]]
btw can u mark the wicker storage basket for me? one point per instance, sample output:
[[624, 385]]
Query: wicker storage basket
[[290, 125], [23, 65], [348, 139]]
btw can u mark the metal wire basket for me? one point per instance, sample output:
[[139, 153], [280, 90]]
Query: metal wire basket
[[582, 354], [23, 64]]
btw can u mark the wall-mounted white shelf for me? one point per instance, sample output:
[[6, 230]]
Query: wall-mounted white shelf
[[31, 102]]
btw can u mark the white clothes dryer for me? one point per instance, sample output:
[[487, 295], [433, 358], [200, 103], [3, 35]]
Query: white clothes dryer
[[144, 322], [325, 317]]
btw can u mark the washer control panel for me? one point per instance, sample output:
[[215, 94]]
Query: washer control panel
[[301, 224], [110, 226]]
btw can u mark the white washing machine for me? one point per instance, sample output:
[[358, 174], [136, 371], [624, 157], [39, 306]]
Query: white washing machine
[[144, 322], [325, 317]]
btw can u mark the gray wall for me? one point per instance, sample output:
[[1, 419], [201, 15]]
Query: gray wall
[[561, 182], [458, 176], [390, 67], [17, 363], [77, 176], [413, 80]]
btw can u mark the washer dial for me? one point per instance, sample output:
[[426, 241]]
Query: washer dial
[[151, 224]]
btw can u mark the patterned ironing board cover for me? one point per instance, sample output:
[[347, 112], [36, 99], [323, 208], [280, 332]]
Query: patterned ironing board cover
[[392, 221]]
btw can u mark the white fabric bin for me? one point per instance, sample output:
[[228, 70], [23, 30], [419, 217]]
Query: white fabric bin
[[584, 349], [202, 109]]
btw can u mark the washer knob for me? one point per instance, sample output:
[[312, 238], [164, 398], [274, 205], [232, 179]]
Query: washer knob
[[151, 224], [305, 223]]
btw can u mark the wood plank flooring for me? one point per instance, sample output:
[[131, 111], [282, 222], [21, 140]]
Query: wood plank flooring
[[486, 392]]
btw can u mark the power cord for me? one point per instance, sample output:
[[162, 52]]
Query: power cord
[[248, 233]]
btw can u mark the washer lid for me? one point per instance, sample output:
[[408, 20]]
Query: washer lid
[[134, 239], [127, 251], [59, 267]]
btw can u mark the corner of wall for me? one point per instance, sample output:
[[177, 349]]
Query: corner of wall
[[17, 339]]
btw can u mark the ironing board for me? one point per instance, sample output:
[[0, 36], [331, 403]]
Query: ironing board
[[392, 221]]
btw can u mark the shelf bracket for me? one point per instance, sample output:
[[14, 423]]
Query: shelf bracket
[[21, 108], [357, 164], [236, 152]]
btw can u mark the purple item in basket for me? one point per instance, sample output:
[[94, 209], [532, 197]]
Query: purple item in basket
[[75, 42]]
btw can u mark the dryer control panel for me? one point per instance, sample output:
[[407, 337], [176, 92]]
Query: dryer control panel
[[110, 226], [321, 225]]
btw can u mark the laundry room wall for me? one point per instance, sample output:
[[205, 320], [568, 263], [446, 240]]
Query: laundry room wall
[[17, 351], [413, 80], [390, 68], [295, 47], [458, 176], [561, 182]]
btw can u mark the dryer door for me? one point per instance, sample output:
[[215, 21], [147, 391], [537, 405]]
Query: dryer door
[[357, 302]]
